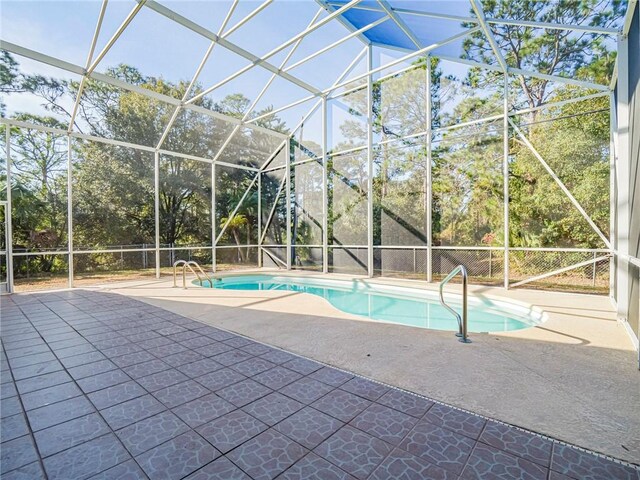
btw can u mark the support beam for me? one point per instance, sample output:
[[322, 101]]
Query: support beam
[[561, 270], [70, 209], [552, 26], [562, 186], [214, 218], [253, 104], [429, 179], [8, 213], [235, 210], [410, 56], [200, 30], [494, 21], [156, 208], [108, 141], [505, 183], [624, 195], [370, 196], [278, 110], [336, 43], [259, 220], [342, 76], [400, 23], [325, 189], [312, 28], [477, 8], [613, 176], [408, 11], [134, 11], [288, 201], [101, 77], [195, 76], [556, 78], [273, 210], [92, 48]]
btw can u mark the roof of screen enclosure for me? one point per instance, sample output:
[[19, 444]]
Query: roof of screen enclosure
[[406, 29]]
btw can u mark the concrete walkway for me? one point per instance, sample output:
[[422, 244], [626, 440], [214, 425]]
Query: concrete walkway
[[574, 378]]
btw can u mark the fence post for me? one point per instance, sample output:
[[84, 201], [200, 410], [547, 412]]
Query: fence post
[[490, 264], [593, 269], [415, 268]]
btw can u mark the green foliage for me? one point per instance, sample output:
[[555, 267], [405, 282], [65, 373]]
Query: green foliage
[[114, 186], [113, 201]]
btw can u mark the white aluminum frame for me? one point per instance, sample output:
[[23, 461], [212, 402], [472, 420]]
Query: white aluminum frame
[[390, 14]]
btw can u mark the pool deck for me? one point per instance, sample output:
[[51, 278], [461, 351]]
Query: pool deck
[[161, 395], [574, 378]]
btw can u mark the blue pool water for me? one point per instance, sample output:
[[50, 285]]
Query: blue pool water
[[406, 306]]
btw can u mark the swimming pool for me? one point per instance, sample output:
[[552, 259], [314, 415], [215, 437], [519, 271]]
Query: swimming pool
[[401, 305]]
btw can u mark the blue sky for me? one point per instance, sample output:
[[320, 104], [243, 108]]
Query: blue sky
[[162, 48], [159, 47]]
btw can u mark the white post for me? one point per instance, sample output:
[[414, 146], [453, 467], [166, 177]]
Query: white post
[[156, 206], [505, 180], [70, 211], [259, 220], [429, 192], [623, 284], [288, 201], [613, 128], [213, 218], [8, 213], [370, 162], [325, 189]]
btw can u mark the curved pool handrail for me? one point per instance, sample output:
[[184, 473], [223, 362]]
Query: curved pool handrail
[[175, 267], [190, 264], [462, 320]]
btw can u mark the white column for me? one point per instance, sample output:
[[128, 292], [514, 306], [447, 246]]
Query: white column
[[623, 284], [69, 210], [8, 212], [156, 207], [370, 162], [213, 218], [259, 220], [288, 200], [612, 191], [325, 189], [429, 192], [505, 180]]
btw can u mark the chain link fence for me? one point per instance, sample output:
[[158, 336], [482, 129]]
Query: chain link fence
[[35, 270], [483, 266], [348, 260], [307, 258], [486, 267], [591, 278]]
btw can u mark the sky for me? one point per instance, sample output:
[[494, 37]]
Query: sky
[[160, 47]]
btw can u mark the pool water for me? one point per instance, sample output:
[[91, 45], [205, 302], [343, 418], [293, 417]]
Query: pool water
[[406, 306]]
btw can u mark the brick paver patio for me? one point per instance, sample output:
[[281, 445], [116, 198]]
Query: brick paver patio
[[97, 385]]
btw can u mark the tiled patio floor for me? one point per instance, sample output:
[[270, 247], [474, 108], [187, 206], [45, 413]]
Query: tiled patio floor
[[96, 385]]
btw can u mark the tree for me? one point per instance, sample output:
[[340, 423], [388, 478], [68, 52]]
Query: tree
[[548, 51], [113, 186]]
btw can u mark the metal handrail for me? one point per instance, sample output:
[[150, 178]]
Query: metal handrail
[[175, 267], [462, 320], [189, 264]]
